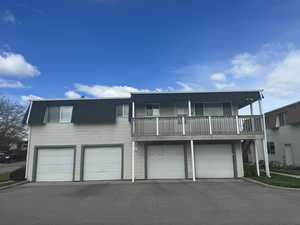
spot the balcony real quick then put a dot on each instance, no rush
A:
(197, 127)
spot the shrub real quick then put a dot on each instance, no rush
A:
(18, 174)
(275, 164)
(249, 170)
(261, 164)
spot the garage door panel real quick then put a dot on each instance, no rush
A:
(55, 164)
(165, 162)
(103, 163)
(214, 161)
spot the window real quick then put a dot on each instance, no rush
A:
(213, 109)
(65, 114)
(122, 110)
(271, 148)
(181, 111)
(59, 114)
(283, 118)
(152, 110)
(227, 110)
(198, 109)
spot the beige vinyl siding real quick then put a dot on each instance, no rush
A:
(71, 134)
(288, 134)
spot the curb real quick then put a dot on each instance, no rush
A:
(269, 185)
(13, 185)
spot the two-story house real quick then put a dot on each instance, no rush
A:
(283, 131)
(152, 135)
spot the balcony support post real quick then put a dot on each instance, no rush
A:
(193, 160)
(183, 125)
(189, 108)
(133, 122)
(256, 157)
(237, 124)
(266, 156)
(132, 162)
(210, 127)
(251, 109)
(157, 127)
(190, 114)
(252, 119)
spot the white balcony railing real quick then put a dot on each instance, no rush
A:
(196, 126)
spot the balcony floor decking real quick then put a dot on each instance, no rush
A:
(199, 137)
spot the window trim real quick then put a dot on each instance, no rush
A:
(123, 110)
(46, 117)
(158, 104)
(60, 114)
(204, 106)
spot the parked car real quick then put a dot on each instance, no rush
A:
(2, 157)
(12, 156)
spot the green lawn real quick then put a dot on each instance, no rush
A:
(4, 177)
(8, 183)
(279, 180)
(288, 171)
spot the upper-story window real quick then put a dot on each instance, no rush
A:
(281, 119)
(122, 110)
(59, 114)
(207, 109)
(197, 109)
(152, 110)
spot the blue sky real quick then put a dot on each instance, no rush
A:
(103, 48)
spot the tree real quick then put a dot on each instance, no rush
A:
(12, 131)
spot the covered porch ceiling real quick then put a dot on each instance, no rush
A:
(239, 98)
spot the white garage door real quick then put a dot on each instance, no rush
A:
(55, 164)
(165, 161)
(214, 161)
(102, 163)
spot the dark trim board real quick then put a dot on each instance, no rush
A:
(234, 159)
(37, 148)
(146, 160)
(185, 161)
(83, 148)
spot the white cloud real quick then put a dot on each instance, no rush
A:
(8, 17)
(101, 91)
(13, 64)
(185, 86)
(72, 94)
(223, 85)
(219, 81)
(10, 84)
(245, 65)
(218, 77)
(284, 79)
(26, 98)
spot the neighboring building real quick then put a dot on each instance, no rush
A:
(152, 135)
(283, 132)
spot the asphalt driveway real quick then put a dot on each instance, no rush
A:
(142, 204)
